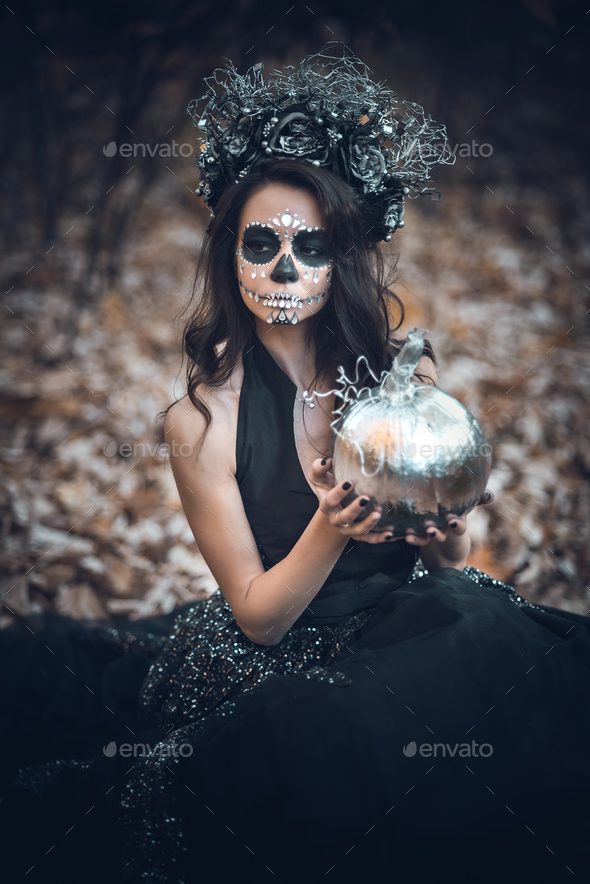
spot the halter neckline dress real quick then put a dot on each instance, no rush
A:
(279, 501)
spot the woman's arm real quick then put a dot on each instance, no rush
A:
(264, 603)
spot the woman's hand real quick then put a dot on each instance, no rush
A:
(455, 525)
(446, 547)
(343, 518)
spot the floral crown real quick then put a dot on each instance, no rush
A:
(328, 112)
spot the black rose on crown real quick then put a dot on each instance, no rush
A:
(384, 209)
(233, 151)
(296, 134)
(394, 210)
(366, 160)
(236, 139)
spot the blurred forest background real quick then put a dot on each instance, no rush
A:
(98, 256)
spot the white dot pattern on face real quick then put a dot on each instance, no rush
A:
(280, 225)
(240, 251)
(293, 221)
(286, 220)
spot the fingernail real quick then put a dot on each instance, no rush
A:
(409, 539)
(346, 486)
(432, 533)
(324, 461)
(489, 494)
(454, 524)
(363, 501)
(388, 536)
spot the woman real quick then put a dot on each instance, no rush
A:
(334, 709)
(209, 481)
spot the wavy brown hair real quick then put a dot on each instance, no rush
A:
(357, 319)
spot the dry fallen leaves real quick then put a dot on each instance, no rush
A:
(95, 529)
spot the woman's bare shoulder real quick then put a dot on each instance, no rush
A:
(186, 424)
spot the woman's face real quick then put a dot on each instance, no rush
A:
(283, 265)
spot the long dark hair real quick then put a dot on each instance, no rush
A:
(358, 318)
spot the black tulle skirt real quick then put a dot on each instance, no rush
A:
(441, 736)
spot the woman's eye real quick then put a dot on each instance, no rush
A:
(310, 251)
(257, 246)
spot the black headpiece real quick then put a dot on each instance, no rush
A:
(327, 111)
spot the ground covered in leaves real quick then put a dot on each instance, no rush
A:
(91, 521)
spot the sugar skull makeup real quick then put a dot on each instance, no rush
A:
(285, 265)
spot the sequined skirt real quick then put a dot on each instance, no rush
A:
(206, 663)
(208, 659)
(199, 675)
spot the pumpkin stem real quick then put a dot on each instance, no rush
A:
(404, 364)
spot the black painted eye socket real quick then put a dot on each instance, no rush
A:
(310, 248)
(260, 244)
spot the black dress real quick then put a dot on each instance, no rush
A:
(409, 726)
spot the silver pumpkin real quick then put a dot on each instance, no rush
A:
(418, 452)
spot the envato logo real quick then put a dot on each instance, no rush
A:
(162, 150)
(144, 449)
(441, 152)
(164, 750)
(471, 150)
(444, 152)
(450, 451)
(465, 750)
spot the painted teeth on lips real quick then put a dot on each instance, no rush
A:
(280, 299)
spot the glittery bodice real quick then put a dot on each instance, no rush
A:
(279, 502)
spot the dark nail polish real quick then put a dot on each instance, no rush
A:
(388, 536)
(324, 461)
(432, 533)
(454, 524)
(363, 501)
(489, 494)
(346, 486)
